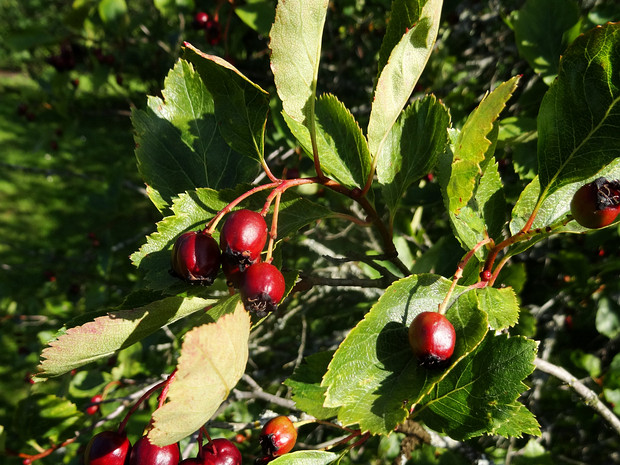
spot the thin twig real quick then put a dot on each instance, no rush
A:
(590, 397)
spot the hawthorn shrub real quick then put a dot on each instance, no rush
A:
(374, 216)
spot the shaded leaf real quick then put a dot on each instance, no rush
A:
(178, 143)
(241, 106)
(257, 15)
(399, 76)
(212, 361)
(412, 147)
(46, 416)
(579, 115)
(374, 377)
(116, 330)
(110, 10)
(471, 399)
(518, 422)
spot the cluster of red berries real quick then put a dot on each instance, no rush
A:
(197, 257)
(211, 26)
(596, 204)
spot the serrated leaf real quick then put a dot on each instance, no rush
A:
(399, 76)
(116, 330)
(500, 305)
(305, 384)
(473, 144)
(519, 421)
(46, 416)
(295, 43)
(579, 115)
(305, 457)
(342, 148)
(403, 16)
(540, 29)
(470, 400)
(212, 360)
(192, 210)
(179, 145)
(241, 106)
(412, 147)
(374, 377)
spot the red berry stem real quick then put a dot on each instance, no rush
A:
(273, 233)
(31, 458)
(164, 391)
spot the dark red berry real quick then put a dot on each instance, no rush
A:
(596, 204)
(278, 436)
(243, 237)
(262, 460)
(220, 451)
(213, 32)
(200, 20)
(432, 339)
(107, 448)
(486, 275)
(262, 288)
(194, 461)
(146, 453)
(196, 257)
(232, 272)
(94, 408)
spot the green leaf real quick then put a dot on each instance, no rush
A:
(342, 148)
(400, 74)
(608, 318)
(295, 43)
(412, 147)
(192, 210)
(241, 106)
(46, 416)
(170, 8)
(118, 329)
(257, 15)
(305, 457)
(472, 145)
(305, 383)
(179, 145)
(519, 421)
(579, 115)
(471, 399)
(403, 16)
(212, 360)
(500, 305)
(110, 10)
(374, 377)
(542, 30)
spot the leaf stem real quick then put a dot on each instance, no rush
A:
(134, 407)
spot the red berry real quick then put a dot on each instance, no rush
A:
(200, 20)
(232, 271)
(196, 257)
(277, 437)
(220, 451)
(262, 460)
(107, 448)
(243, 237)
(596, 204)
(432, 339)
(146, 453)
(92, 409)
(486, 275)
(213, 32)
(262, 288)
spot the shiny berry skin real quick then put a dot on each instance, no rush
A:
(196, 257)
(262, 288)
(91, 410)
(432, 338)
(107, 448)
(596, 204)
(220, 451)
(200, 20)
(243, 237)
(278, 436)
(145, 453)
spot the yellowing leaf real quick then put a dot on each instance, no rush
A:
(212, 361)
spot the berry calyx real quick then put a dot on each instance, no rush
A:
(432, 338)
(243, 237)
(107, 448)
(596, 204)
(262, 288)
(220, 451)
(277, 437)
(92, 409)
(146, 453)
(196, 257)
